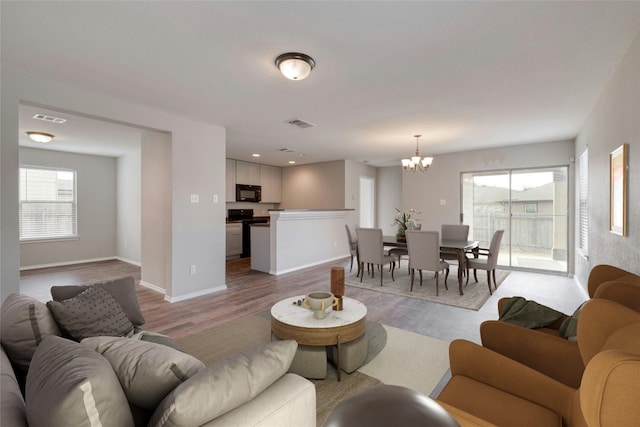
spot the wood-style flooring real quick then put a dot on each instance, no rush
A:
(250, 292)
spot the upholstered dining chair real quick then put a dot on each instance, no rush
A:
(453, 232)
(371, 251)
(489, 262)
(424, 254)
(353, 248)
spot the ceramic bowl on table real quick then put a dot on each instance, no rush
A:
(318, 302)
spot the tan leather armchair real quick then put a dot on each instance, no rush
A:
(501, 391)
(548, 352)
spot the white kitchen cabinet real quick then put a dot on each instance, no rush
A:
(247, 173)
(234, 239)
(230, 185)
(271, 183)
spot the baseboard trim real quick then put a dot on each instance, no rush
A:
(60, 264)
(152, 287)
(194, 294)
(313, 264)
(129, 261)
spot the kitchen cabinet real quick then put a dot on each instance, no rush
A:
(234, 239)
(247, 173)
(271, 183)
(230, 184)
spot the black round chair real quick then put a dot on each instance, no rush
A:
(389, 405)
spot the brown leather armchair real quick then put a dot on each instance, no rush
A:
(548, 352)
(501, 391)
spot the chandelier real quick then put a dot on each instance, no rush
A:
(416, 162)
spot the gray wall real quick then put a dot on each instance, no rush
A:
(96, 187)
(389, 197)
(353, 171)
(614, 120)
(314, 186)
(129, 206)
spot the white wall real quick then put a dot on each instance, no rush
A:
(614, 120)
(129, 206)
(96, 198)
(353, 172)
(197, 162)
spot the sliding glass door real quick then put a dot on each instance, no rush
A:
(531, 205)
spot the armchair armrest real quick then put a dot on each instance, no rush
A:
(548, 354)
(498, 371)
(603, 273)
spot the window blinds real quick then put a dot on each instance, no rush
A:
(47, 203)
(583, 166)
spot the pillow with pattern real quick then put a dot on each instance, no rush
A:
(91, 313)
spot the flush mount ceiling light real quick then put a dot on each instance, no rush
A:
(40, 137)
(295, 66)
(416, 162)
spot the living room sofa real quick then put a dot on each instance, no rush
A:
(489, 388)
(51, 377)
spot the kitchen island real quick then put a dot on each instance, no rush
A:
(299, 238)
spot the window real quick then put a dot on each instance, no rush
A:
(47, 203)
(531, 208)
(583, 171)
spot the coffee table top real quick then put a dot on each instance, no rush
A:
(289, 313)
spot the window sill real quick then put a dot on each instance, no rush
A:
(50, 240)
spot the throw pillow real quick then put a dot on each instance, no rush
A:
(91, 313)
(147, 371)
(224, 386)
(123, 290)
(23, 323)
(569, 327)
(69, 384)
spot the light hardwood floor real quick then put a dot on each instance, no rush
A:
(250, 292)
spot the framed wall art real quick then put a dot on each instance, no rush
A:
(618, 161)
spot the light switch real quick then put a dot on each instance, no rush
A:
(215, 198)
(195, 198)
(443, 202)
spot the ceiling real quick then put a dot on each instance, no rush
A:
(465, 75)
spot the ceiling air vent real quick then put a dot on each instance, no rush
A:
(300, 123)
(50, 119)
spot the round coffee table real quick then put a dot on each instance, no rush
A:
(290, 321)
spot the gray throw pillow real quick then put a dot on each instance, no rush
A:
(91, 313)
(23, 323)
(69, 384)
(224, 386)
(147, 371)
(122, 290)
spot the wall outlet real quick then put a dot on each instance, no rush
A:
(443, 202)
(192, 269)
(195, 198)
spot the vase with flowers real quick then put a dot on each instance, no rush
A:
(404, 220)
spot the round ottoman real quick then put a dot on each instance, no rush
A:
(389, 405)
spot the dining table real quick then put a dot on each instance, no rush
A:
(459, 247)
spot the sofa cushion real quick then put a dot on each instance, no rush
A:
(146, 371)
(69, 384)
(93, 312)
(23, 323)
(224, 385)
(122, 290)
(13, 411)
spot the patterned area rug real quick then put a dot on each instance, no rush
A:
(475, 294)
(424, 360)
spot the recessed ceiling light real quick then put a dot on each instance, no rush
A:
(292, 162)
(40, 137)
(256, 155)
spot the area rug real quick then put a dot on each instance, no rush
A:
(395, 357)
(475, 294)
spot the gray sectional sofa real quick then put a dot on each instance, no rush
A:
(57, 369)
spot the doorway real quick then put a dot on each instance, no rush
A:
(367, 202)
(531, 205)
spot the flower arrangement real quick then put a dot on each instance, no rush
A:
(404, 221)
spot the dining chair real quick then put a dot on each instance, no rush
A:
(489, 263)
(371, 251)
(454, 232)
(424, 254)
(353, 248)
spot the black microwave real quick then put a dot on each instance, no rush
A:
(248, 193)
